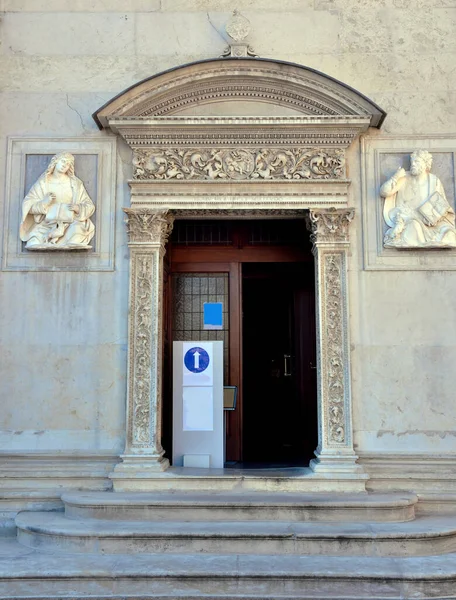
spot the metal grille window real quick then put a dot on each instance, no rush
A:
(190, 292)
(207, 233)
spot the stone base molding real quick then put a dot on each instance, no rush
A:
(330, 238)
(148, 232)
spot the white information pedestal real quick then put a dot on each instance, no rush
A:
(198, 404)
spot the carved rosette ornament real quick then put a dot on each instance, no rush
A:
(330, 236)
(239, 164)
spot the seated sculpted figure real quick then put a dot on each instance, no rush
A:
(416, 209)
(56, 212)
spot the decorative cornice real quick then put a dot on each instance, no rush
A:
(285, 163)
(330, 226)
(217, 213)
(306, 132)
(148, 226)
(303, 90)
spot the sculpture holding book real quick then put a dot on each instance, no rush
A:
(56, 212)
(416, 209)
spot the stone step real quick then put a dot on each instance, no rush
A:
(26, 573)
(243, 506)
(301, 480)
(53, 532)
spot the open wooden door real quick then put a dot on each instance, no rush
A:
(208, 261)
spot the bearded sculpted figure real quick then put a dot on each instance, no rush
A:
(56, 212)
(416, 209)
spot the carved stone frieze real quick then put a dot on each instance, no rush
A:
(148, 226)
(330, 226)
(239, 164)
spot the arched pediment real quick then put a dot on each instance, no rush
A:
(244, 86)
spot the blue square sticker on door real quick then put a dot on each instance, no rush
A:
(213, 315)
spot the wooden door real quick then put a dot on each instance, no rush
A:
(233, 250)
(278, 378)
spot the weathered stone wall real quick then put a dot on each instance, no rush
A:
(63, 338)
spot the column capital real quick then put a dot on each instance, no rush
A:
(330, 226)
(147, 226)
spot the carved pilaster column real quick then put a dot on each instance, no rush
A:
(148, 232)
(329, 233)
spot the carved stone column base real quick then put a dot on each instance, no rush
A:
(334, 462)
(135, 469)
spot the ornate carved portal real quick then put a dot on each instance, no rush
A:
(213, 165)
(148, 232)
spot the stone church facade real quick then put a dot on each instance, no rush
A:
(123, 125)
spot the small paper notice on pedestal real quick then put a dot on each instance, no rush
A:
(198, 409)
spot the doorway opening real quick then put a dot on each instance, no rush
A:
(263, 274)
(279, 375)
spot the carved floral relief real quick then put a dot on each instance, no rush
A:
(330, 226)
(239, 164)
(334, 341)
(142, 347)
(145, 225)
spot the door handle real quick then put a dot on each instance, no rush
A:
(312, 366)
(287, 365)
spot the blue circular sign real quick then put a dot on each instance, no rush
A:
(196, 360)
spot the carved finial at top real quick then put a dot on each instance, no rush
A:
(238, 28)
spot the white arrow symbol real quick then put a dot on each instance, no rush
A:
(197, 359)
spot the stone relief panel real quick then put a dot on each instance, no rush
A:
(415, 209)
(408, 203)
(335, 360)
(142, 348)
(57, 208)
(239, 164)
(74, 211)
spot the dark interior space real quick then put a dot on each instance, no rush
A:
(279, 375)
